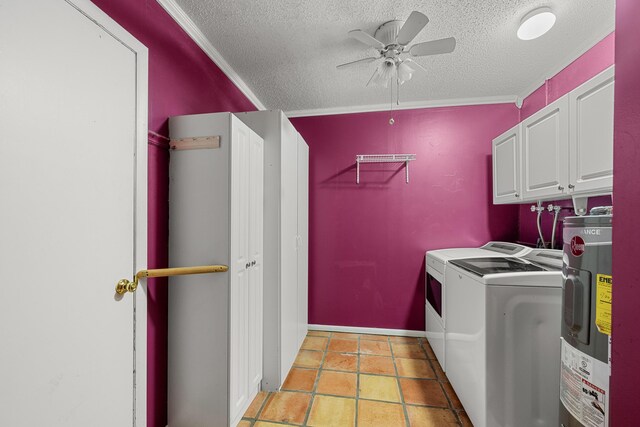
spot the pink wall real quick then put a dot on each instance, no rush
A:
(591, 63)
(182, 80)
(626, 235)
(369, 270)
(528, 231)
(367, 241)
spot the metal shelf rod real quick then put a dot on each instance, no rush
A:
(125, 285)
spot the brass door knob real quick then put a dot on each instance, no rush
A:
(125, 286)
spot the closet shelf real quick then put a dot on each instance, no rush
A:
(384, 158)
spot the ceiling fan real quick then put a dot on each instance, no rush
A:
(391, 40)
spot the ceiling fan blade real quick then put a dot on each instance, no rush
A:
(366, 38)
(375, 72)
(359, 61)
(413, 64)
(412, 26)
(434, 47)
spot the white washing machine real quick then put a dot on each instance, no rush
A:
(435, 307)
(502, 338)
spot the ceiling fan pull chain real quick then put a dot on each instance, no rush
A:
(391, 119)
(397, 87)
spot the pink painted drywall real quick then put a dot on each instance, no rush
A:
(182, 80)
(594, 61)
(625, 378)
(528, 230)
(367, 241)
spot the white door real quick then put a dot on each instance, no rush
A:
(591, 134)
(506, 166)
(545, 151)
(73, 216)
(256, 206)
(238, 357)
(303, 238)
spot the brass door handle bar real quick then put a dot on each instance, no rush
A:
(125, 285)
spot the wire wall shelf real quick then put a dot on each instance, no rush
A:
(384, 158)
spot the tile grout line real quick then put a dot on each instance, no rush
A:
(395, 367)
(315, 383)
(355, 417)
(440, 383)
(254, 420)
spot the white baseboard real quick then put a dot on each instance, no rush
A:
(371, 331)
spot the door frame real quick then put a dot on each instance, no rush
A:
(139, 322)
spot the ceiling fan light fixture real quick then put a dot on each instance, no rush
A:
(536, 23)
(405, 72)
(384, 73)
(391, 41)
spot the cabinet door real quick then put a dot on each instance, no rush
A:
(506, 166)
(591, 135)
(256, 189)
(303, 238)
(288, 242)
(545, 150)
(238, 306)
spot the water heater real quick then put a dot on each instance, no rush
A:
(586, 321)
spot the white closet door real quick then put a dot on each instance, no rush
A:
(303, 238)
(256, 206)
(238, 357)
(288, 241)
(591, 135)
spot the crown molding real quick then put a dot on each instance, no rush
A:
(182, 19)
(577, 53)
(413, 105)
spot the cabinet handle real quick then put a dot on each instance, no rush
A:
(253, 262)
(560, 187)
(247, 265)
(517, 195)
(571, 186)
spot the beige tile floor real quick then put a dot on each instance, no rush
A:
(341, 379)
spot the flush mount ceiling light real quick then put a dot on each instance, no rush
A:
(536, 23)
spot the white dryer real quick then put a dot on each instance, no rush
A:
(435, 307)
(503, 338)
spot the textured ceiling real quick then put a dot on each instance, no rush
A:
(286, 50)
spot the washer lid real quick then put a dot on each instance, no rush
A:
(506, 248)
(484, 266)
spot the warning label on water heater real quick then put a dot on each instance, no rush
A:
(584, 387)
(603, 303)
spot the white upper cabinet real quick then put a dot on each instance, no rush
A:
(591, 136)
(506, 167)
(565, 149)
(545, 137)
